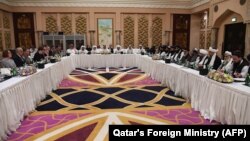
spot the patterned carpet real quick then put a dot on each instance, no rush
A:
(87, 101)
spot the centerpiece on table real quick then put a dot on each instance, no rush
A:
(220, 76)
(57, 57)
(27, 70)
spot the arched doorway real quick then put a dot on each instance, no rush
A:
(231, 33)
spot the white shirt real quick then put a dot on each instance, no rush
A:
(33, 52)
(244, 70)
(130, 51)
(83, 51)
(163, 54)
(118, 51)
(227, 65)
(94, 51)
(204, 60)
(142, 50)
(72, 51)
(105, 51)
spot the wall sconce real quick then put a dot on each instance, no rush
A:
(234, 19)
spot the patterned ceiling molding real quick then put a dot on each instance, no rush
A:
(196, 3)
(184, 4)
(218, 1)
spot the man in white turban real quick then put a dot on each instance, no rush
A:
(227, 64)
(105, 50)
(118, 49)
(202, 59)
(72, 49)
(130, 50)
(83, 50)
(141, 50)
(214, 61)
(94, 50)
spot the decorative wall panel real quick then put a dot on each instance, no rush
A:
(23, 22)
(143, 31)
(202, 39)
(208, 38)
(24, 29)
(66, 24)
(203, 22)
(181, 39)
(6, 21)
(51, 25)
(81, 24)
(25, 39)
(7, 38)
(128, 31)
(157, 31)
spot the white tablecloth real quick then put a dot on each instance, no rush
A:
(20, 95)
(226, 103)
(114, 60)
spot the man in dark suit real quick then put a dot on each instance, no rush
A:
(240, 65)
(39, 56)
(18, 58)
(214, 61)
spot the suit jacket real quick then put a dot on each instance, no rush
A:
(38, 57)
(217, 62)
(19, 61)
(237, 67)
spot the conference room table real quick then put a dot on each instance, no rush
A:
(225, 103)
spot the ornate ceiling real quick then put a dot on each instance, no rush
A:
(108, 3)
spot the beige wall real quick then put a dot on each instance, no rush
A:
(195, 31)
(227, 10)
(117, 14)
(223, 7)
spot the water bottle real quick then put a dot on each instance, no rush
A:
(14, 72)
(247, 81)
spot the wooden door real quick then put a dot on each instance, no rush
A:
(24, 29)
(181, 30)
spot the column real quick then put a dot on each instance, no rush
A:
(39, 29)
(118, 37)
(214, 37)
(92, 37)
(167, 37)
(40, 38)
